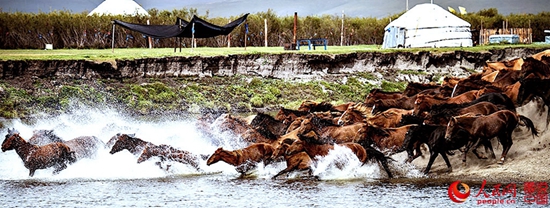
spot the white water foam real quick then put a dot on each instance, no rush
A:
(180, 133)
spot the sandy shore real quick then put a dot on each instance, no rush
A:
(527, 160)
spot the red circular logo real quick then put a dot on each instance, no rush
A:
(455, 195)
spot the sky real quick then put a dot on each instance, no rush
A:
(228, 8)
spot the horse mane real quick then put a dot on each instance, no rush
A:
(260, 118)
(312, 138)
(298, 113)
(319, 122)
(322, 106)
(361, 108)
(411, 119)
(378, 130)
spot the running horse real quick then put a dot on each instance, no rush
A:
(500, 124)
(83, 146)
(167, 152)
(310, 144)
(244, 159)
(36, 157)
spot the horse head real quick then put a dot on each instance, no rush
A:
(216, 156)
(294, 146)
(451, 126)
(10, 141)
(123, 141)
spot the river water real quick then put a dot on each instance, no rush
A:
(116, 180)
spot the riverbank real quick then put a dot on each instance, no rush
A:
(230, 83)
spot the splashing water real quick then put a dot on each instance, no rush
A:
(179, 132)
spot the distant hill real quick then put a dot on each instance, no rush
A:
(227, 8)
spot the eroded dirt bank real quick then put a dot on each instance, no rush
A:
(285, 66)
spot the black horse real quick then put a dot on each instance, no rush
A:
(434, 137)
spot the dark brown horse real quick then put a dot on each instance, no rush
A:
(241, 128)
(169, 153)
(535, 87)
(287, 116)
(39, 157)
(83, 146)
(268, 124)
(406, 103)
(243, 159)
(128, 142)
(310, 144)
(500, 124)
(440, 114)
(414, 88)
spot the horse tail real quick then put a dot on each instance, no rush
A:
(529, 125)
(373, 154)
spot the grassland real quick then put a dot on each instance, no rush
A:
(137, 53)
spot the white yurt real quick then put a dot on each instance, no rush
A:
(119, 7)
(427, 25)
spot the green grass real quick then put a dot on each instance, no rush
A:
(137, 53)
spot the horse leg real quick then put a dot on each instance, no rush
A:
(468, 146)
(60, 166)
(31, 172)
(506, 141)
(433, 155)
(449, 168)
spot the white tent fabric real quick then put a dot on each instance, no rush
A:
(119, 7)
(427, 25)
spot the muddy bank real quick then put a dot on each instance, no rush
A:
(418, 65)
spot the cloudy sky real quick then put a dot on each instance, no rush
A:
(226, 8)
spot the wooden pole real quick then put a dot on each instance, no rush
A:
(342, 31)
(149, 38)
(193, 37)
(113, 37)
(229, 39)
(295, 26)
(265, 31)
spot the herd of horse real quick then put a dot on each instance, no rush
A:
(459, 114)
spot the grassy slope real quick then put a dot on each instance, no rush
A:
(136, 53)
(23, 98)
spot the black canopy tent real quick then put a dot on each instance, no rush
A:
(182, 28)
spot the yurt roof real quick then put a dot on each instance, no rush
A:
(119, 7)
(427, 15)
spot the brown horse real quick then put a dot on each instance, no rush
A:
(83, 146)
(299, 161)
(167, 152)
(328, 130)
(386, 139)
(378, 94)
(423, 103)
(389, 118)
(354, 114)
(500, 124)
(39, 157)
(310, 144)
(243, 159)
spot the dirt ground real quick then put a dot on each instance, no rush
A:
(527, 160)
